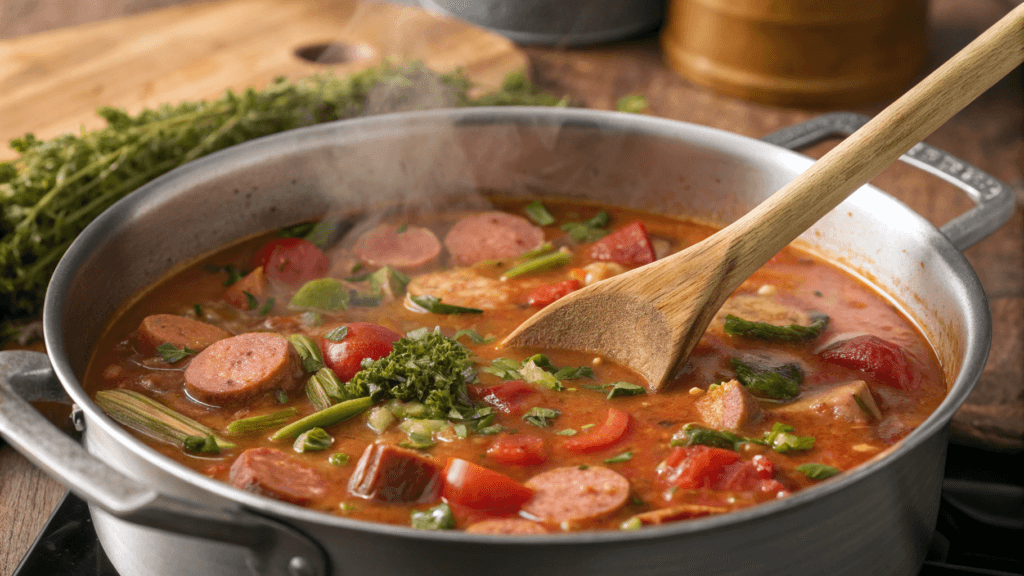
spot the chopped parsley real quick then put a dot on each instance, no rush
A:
(434, 305)
(171, 353)
(540, 417)
(737, 326)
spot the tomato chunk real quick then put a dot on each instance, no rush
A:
(698, 466)
(628, 245)
(363, 340)
(518, 449)
(291, 261)
(605, 435)
(545, 295)
(508, 396)
(254, 283)
(879, 358)
(472, 486)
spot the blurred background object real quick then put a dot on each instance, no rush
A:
(556, 22)
(798, 52)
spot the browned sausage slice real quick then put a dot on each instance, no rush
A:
(572, 498)
(729, 406)
(491, 236)
(408, 248)
(179, 331)
(237, 369)
(506, 526)
(273, 473)
(391, 474)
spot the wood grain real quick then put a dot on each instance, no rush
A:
(53, 82)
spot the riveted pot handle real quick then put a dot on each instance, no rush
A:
(276, 549)
(994, 203)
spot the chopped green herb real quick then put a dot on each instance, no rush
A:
(337, 335)
(356, 267)
(387, 280)
(633, 103)
(534, 374)
(818, 293)
(490, 430)
(313, 440)
(259, 424)
(251, 302)
(778, 382)
(692, 434)
(566, 432)
(474, 336)
(323, 294)
(282, 397)
(428, 367)
(311, 318)
(587, 426)
(198, 310)
(540, 417)
(762, 330)
(309, 353)
(589, 231)
(539, 214)
(781, 440)
(461, 430)
(205, 444)
(624, 457)
(323, 388)
(570, 373)
(339, 459)
(625, 389)
(633, 523)
(816, 471)
(439, 517)
(401, 229)
(539, 264)
(234, 274)
(267, 307)
(433, 304)
(171, 353)
(583, 467)
(538, 251)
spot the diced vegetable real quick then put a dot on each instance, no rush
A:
(323, 389)
(479, 488)
(737, 326)
(313, 440)
(539, 264)
(380, 419)
(609, 433)
(816, 471)
(779, 382)
(438, 517)
(882, 359)
(246, 293)
(696, 466)
(324, 418)
(323, 294)
(629, 246)
(309, 354)
(624, 457)
(540, 417)
(339, 459)
(518, 450)
(362, 341)
(781, 439)
(434, 305)
(507, 396)
(539, 214)
(692, 435)
(547, 294)
(589, 230)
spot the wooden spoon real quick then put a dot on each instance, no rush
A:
(651, 318)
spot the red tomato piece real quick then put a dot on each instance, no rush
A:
(545, 295)
(292, 261)
(879, 358)
(773, 487)
(472, 486)
(738, 477)
(765, 467)
(629, 246)
(518, 449)
(508, 396)
(253, 283)
(696, 466)
(603, 436)
(363, 340)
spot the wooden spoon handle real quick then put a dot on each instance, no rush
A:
(773, 224)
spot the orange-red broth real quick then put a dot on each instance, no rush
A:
(803, 281)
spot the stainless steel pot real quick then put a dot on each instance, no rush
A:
(155, 516)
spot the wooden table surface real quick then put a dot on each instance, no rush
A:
(988, 134)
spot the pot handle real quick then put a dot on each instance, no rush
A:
(275, 548)
(994, 203)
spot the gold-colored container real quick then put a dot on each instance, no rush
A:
(811, 53)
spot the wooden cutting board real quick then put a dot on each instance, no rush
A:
(53, 82)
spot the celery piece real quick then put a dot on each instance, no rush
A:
(380, 419)
(148, 416)
(434, 305)
(539, 264)
(309, 353)
(322, 294)
(313, 440)
(259, 424)
(539, 214)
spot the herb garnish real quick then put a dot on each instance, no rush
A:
(539, 264)
(337, 335)
(737, 326)
(339, 459)
(309, 353)
(313, 440)
(434, 305)
(540, 417)
(778, 382)
(171, 353)
(474, 336)
(539, 214)
(438, 517)
(322, 294)
(816, 471)
(782, 440)
(692, 434)
(590, 230)
(624, 457)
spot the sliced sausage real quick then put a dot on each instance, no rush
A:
(237, 369)
(506, 526)
(404, 247)
(629, 246)
(273, 473)
(391, 474)
(571, 497)
(179, 331)
(491, 236)
(680, 512)
(466, 287)
(254, 283)
(729, 406)
(851, 402)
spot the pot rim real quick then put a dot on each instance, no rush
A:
(741, 147)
